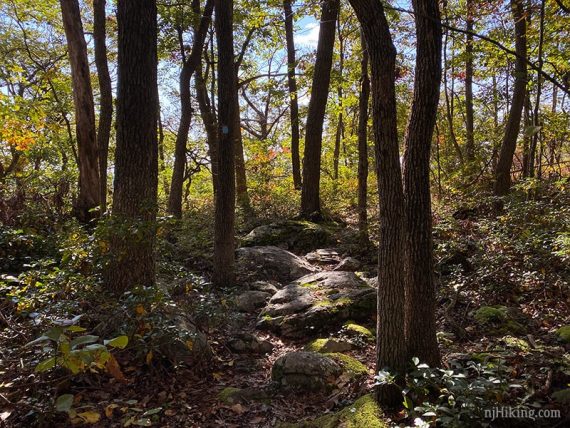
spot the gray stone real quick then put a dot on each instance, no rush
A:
(271, 264)
(251, 301)
(296, 236)
(318, 302)
(323, 256)
(306, 370)
(268, 287)
(248, 343)
(348, 264)
(183, 343)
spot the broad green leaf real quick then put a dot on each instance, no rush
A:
(83, 340)
(45, 365)
(118, 342)
(64, 402)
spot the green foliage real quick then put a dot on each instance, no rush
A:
(77, 354)
(454, 397)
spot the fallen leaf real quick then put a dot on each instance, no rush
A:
(149, 357)
(238, 408)
(170, 412)
(217, 375)
(90, 417)
(115, 370)
(109, 410)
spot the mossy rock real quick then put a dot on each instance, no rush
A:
(491, 314)
(501, 320)
(562, 396)
(359, 330)
(229, 395)
(515, 342)
(324, 346)
(363, 413)
(295, 235)
(563, 334)
(350, 365)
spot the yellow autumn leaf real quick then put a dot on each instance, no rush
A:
(140, 310)
(109, 410)
(90, 417)
(190, 344)
(149, 357)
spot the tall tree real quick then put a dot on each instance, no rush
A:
(89, 189)
(310, 195)
(188, 68)
(132, 260)
(420, 284)
(503, 170)
(293, 100)
(470, 137)
(391, 344)
(363, 143)
(106, 96)
(224, 244)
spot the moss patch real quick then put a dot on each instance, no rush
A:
(351, 366)
(514, 342)
(491, 314)
(364, 412)
(563, 334)
(360, 330)
(227, 395)
(316, 345)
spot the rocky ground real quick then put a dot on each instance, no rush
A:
(294, 345)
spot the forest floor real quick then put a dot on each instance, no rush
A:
(513, 263)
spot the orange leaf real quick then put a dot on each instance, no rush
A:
(115, 370)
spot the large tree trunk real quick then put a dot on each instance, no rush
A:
(503, 170)
(188, 69)
(470, 138)
(224, 244)
(293, 101)
(420, 284)
(363, 144)
(106, 107)
(132, 261)
(310, 200)
(242, 194)
(89, 187)
(391, 345)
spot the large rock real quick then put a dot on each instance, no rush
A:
(318, 302)
(316, 371)
(323, 256)
(296, 236)
(252, 300)
(306, 370)
(248, 343)
(182, 343)
(271, 263)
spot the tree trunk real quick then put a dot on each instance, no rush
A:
(420, 284)
(470, 138)
(508, 146)
(293, 102)
(340, 123)
(188, 68)
(391, 345)
(106, 107)
(224, 244)
(89, 187)
(363, 144)
(132, 261)
(310, 200)
(241, 176)
(210, 123)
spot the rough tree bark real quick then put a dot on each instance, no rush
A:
(420, 284)
(310, 200)
(188, 69)
(293, 101)
(89, 187)
(470, 138)
(363, 144)
(106, 101)
(391, 345)
(339, 136)
(224, 258)
(131, 260)
(503, 170)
